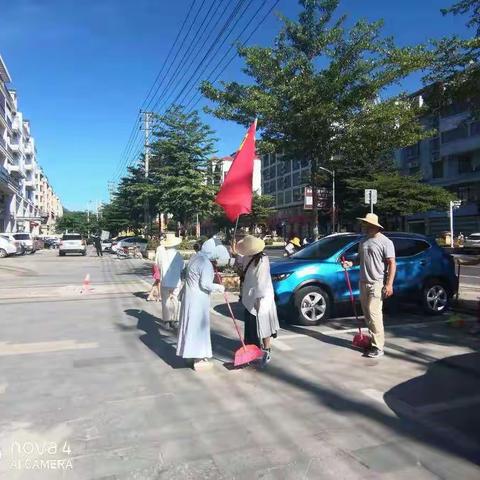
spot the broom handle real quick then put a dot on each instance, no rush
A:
(347, 278)
(231, 312)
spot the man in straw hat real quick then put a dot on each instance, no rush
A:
(377, 272)
(170, 264)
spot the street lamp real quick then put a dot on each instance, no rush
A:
(332, 173)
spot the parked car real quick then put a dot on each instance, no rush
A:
(106, 245)
(51, 242)
(72, 243)
(7, 247)
(20, 248)
(115, 242)
(311, 282)
(139, 242)
(27, 241)
(472, 242)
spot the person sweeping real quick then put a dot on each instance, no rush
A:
(377, 272)
(258, 299)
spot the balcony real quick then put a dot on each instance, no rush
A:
(29, 166)
(16, 125)
(16, 170)
(30, 184)
(29, 149)
(14, 147)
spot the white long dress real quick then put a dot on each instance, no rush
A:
(170, 264)
(257, 285)
(194, 329)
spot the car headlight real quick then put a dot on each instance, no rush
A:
(277, 277)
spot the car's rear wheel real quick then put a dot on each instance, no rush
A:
(3, 253)
(435, 297)
(313, 305)
(61, 254)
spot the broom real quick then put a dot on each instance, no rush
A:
(246, 353)
(360, 339)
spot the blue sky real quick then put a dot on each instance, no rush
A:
(82, 70)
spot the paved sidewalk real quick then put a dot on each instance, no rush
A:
(97, 376)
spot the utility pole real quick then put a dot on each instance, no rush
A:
(146, 128)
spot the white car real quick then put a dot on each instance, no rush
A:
(126, 242)
(9, 237)
(106, 245)
(7, 247)
(472, 242)
(72, 243)
(26, 241)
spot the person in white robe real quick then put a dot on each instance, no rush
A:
(258, 298)
(194, 342)
(170, 264)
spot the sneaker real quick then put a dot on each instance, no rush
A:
(267, 357)
(375, 353)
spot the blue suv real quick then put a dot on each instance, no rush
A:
(312, 282)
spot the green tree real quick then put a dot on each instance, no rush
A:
(455, 70)
(179, 162)
(77, 222)
(317, 95)
(261, 211)
(399, 196)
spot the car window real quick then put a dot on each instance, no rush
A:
(351, 252)
(72, 237)
(474, 236)
(5, 237)
(324, 248)
(21, 236)
(128, 240)
(407, 247)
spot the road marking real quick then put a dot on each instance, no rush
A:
(43, 347)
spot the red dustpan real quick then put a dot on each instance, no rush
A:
(246, 353)
(360, 340)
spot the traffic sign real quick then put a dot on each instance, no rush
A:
(370, 196)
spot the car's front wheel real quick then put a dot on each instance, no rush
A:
(435, 297)
(313, 305)
(3, 253)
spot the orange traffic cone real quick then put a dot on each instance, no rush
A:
(86, 284)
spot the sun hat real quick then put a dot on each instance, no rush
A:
(371, 219)
(250, 245)
(296, 241)
(170, 240)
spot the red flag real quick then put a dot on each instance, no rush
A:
(235, 195)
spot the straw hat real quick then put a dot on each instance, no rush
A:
(371, 219)
(296, 241)
(250, 245)
(170, 240)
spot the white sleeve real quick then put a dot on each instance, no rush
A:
(206, 279)
(264, 280)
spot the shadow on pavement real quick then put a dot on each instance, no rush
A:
(164, 345)
(448, 394)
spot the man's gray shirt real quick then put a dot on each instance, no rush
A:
(374, 252)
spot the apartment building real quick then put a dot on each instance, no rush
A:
(20, 208)
(450, 160)
(286, 181)
(48, 203)
(219, 167)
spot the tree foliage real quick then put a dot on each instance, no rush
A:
(400, 195)
(317, 94)
(77, 222)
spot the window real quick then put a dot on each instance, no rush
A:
(475, 128)
(407, 247)
(71, 236)
(265, 160)
(305, 176)
(280, 168)
(455, 134)
(434, 144)
(288, 196)
(297, 195)
(412, 151)
(305, 163)
(287, 181)
(296, 164)
(437, 169)
(272, 187)
(296, 179)
(272, 172)
(279, 184)
(325, 248)
(288, 166)
(280, 198)
(465, 164)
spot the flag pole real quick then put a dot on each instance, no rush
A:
(235, 231)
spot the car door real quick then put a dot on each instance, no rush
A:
(412, 262)
(343, 292)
